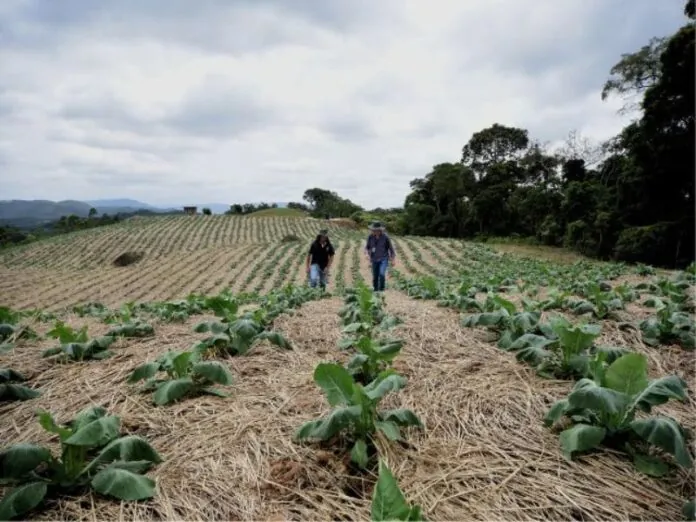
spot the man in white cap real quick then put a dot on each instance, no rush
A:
(379, 250)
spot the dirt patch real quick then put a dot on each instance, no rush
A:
(128, 258)
(345, 223)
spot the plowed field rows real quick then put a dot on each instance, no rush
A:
(189, 254)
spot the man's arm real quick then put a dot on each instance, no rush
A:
(391, 251)
(367, 245)
(309, 258)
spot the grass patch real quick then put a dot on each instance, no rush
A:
(560, 255)
(279, 212)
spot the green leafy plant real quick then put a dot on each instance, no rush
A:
(10, 329)
(67, 334)
(10, 390)
(504, 319)
(362, 309)
(668, 326)
(132, 329)
(186, 377)
(565, 351)
(356, 411)
(602, 411)
(601, 301)
(388, 501)
(96, 349)
(237, 337)
(374, 357)
(93, 455)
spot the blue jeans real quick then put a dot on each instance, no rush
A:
(317, 276)
(379, 274)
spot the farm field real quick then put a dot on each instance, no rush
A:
(183, 255)
(477, 347)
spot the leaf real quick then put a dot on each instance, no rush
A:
(215, 392)
(128, 448)
(17, 392)
(180, 363)
(384, 383)
(389, 349)
(336, 382)
(358, 453)
(135, 466)
(20, 459)
(22, 499)
(123, 484)
(580, 438)
(9, 375)
(213, 371)
(49, 424)
(96, 433)
(390, 429)
(388, 502)
(84, 417)
(628, 374)
(52, 351)
(689, 510)
(170, 391)
(245, 328)
(556, 412)
(144, 371)
(587, 394)
(333, 423)
(401, 417)
(574, 339)
(659, 391)
(275, 338)
(650, 465)
(666, 434)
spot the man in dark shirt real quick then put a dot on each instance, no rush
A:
(319, 259)
(379, 251)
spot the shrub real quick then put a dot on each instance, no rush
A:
(661, 244)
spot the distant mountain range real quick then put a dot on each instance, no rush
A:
(31, 213)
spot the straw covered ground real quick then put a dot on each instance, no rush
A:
(484, 453)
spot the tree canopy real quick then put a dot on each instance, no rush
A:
(631, 199)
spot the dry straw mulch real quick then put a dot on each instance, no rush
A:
(484, 455)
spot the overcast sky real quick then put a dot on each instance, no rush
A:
(183, 101)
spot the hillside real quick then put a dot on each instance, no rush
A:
(40, 210)
(182, 254)
(467, 403)
(27, 214)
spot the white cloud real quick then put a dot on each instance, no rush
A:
(242, 101)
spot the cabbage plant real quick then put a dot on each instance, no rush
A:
(10, 390)
(93, 456)
(356, 411)
(602, 411)
(186, 376)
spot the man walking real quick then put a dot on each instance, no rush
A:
(319, 259)
(379, 250)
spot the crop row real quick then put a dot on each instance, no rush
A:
(158, 236)
(612, 394)
(257, 267)
(357, 420)
(94, 454)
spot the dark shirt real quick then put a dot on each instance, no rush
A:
(379, 247)
(321, 254)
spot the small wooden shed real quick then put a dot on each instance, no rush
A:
(191, 211)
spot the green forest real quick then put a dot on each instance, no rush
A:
(629, 199)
